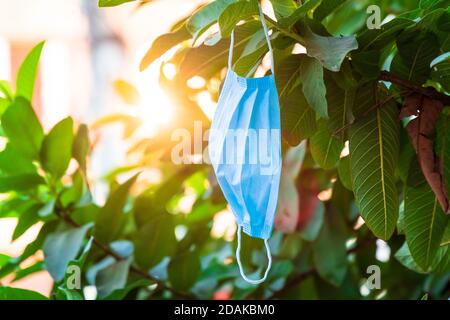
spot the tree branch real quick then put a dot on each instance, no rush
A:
(429, 92)
(67, 219)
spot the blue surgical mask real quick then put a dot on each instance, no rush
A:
(245, 151)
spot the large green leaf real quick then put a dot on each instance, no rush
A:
(207, 60)
(416, 51)
(8, 293)
(371, 39)
(374, 148)
(425, 222)
(20, 182)
(311, 75)
(111, 278)
(154, 241)
(403, 255)
(330, 51)
(252, 55)
(162, 44)
(204, 17)
(27, 73)
(298, 120)
(184, 270)
(61, 247)
(340, 103)
(325, 148)
(234, 13)
(110, 217)
(288, 75)
(23, 128)
(13, 162)
(56, 150)
(326, 8)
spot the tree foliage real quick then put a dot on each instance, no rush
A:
(365, 119)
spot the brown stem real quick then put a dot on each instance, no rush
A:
(429, 92)
(67, 219)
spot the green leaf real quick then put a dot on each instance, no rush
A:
(425, 222)
(374, 148)
(162, 44)
(8, 293)
(326, 8)
(27, 73)
(311, 75)
(67, 294)
(112, 3)
(61, 247)
(367, 63)
(56, 150)
(330, 51)
(325, 148)
(234, 13)
(283, 8)
(111, 278)
(13, 163)
(345, 174)
(329, 252)
(184, 270)
(22, 128)
(298, 120)
(20, 182)
(205, 60)
(252, 55)
(403, 255)
(81, 146)
(441, 74)
(416, 51)
(26, 220)
(288, 75)
(341, 105)
(110, 217)
(154, 241)
(203, 18)
(371, 39)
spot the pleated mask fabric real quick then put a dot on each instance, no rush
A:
(245, 151)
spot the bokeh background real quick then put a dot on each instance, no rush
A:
(90, 57)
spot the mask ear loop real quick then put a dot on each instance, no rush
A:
(266, 34)
(241, 269)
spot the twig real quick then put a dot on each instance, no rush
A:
(67, 219)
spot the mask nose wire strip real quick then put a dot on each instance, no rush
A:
(266, 34)
(241, 269)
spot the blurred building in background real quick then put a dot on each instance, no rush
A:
(86, 50)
